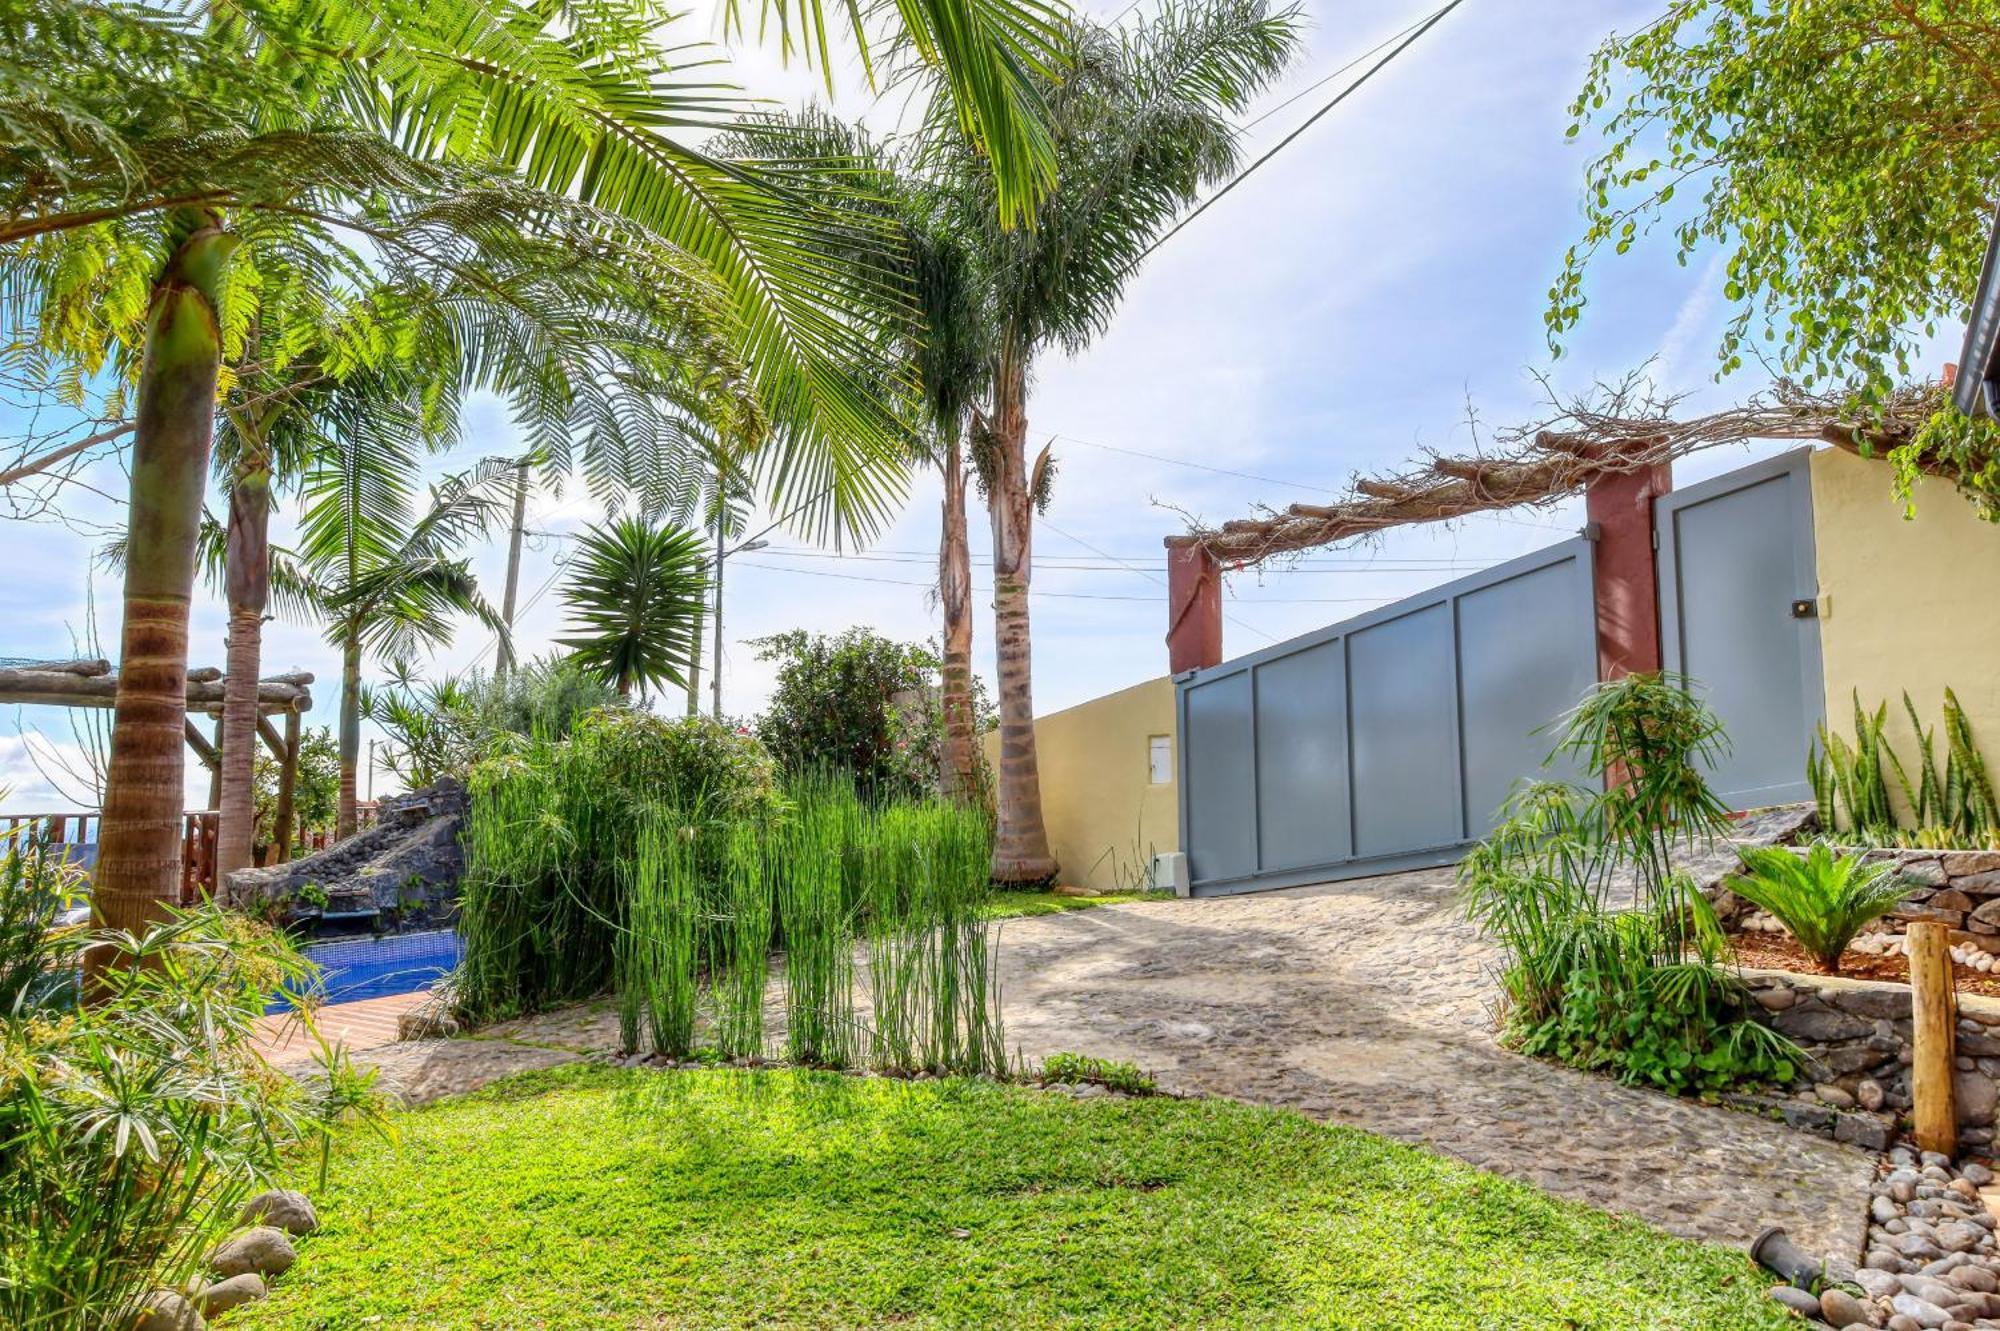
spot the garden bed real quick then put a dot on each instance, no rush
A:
(1777, 952)
(591, 1197)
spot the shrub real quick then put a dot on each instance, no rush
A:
(1824, 899)
(1640, 993)
(855, 702)
(130, 1129)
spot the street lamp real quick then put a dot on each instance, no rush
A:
(715, 664)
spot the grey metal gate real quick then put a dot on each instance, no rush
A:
(1739, 616)
(1386, 741)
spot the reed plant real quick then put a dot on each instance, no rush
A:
(1639, 992)
(811, 877)
(744, 955)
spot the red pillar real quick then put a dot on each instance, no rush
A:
(1627, 579)
(1194, 607)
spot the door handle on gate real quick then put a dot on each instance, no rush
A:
(1805, 609)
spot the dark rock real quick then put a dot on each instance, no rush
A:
(1867, 1131)
(1818, 1024)
(1878, 1002)
(1977, 1098)
(1987, 914)
(410, 861)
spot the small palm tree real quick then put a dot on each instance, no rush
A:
(1823, 899)
(636, 603)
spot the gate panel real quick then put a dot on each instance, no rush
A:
(1218, 808)
(1386, 741)
(1736, 570)
(1402, 694)
(1302, 811)
(1506, 672)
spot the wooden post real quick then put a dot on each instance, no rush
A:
(215, 772)
(288, 784)
(1934, 1018)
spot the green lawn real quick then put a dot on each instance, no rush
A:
(1006, 905)
(587, 1197)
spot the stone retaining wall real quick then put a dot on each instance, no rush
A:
(1958, 888)
(1858, 1031)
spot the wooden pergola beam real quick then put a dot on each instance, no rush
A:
(56, 688)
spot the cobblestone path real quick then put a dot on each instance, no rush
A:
(1367, 1003)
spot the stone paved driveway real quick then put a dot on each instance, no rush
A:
(1366, 1003)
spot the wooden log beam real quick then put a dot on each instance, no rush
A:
(204, 675)
(87, 667)
(1392, 491)
(272, 739)
(56, 689)
(1934, 1018)
(199, 743)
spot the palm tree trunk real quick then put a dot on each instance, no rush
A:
(1021, 842)
(139, 863)
(247, 584)
(350, 732)
(960, 775)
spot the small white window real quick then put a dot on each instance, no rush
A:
(1160, 759)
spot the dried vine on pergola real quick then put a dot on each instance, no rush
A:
(1622, 428)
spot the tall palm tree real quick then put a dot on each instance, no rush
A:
(1141, 126)
(299, 120)
(946, 354)
(635, 601)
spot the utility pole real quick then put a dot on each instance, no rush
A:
(504, 657)
(715, 670)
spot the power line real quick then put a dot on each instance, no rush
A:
(1339, 97)
(1198, 466)
(1068, 596)
(1319, 83)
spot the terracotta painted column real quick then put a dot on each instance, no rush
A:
(1194, 607)
(1627, 580)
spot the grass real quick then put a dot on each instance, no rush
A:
(1005, 904)
(588, 1197)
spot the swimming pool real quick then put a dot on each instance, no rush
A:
(356, 968)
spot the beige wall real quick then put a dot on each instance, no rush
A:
(1105, 818)
(1907, 604)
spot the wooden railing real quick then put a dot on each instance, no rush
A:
(198, 837)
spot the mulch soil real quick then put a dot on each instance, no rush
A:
(1777, 952)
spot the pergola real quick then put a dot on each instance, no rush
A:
(93, 683)
(1585, 442)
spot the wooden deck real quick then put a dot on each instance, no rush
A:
(369, 1023)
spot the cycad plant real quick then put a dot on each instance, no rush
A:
(1824, 898)
(635, 603)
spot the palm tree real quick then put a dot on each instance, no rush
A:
(946, 354)
(635, 601)
(385, 574)
(288, 124)
(1141, 127)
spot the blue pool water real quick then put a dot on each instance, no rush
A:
(356, 968)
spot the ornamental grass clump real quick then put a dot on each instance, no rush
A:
(1824, 899)
(1640, 992)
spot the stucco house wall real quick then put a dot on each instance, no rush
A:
(1905, 604)
(1106, 817)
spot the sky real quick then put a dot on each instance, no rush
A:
(1375, 291)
